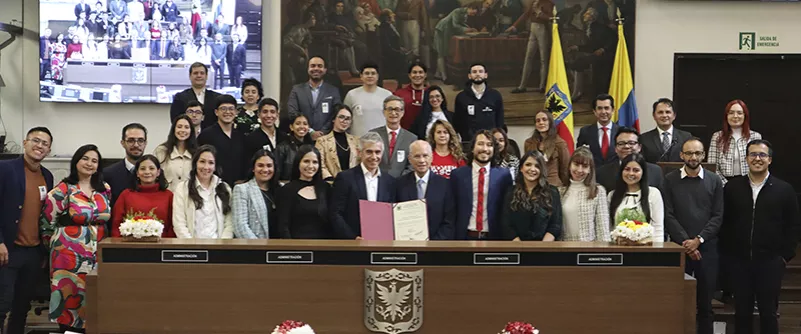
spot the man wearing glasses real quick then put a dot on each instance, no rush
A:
(396, 139)
(627, 141)
(760, 234)
(121, 176)
(194, 110)
(24, 184)
(230, 144)
(693, 199)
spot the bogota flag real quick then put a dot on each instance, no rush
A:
(557, 98)
(622, 87)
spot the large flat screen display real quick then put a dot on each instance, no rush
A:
(140, 51)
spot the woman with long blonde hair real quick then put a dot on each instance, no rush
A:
(585, 210)
(552, 147)
(448, 154)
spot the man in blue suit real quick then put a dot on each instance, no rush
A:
(424, 184)
(24, 184)
(363, 182)
(478, 190)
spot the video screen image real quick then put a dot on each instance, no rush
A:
(140, 51)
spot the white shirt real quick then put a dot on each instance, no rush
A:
(479, 94)
(371, 183)
(129, 165)
(756, 188)
(683, 172)
(389, 134)
(655, 204)
(668, 131)
(202, 95)
(425, 181)
(368, 109)
(608, 134)
(207, 218)
(435, 116)
(472, 225)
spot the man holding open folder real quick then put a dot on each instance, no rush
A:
(363, 182)
(424, 184)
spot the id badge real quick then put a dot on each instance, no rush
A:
(358, 109)
(325, 107)
(471, 110)
(42, 193)
(401, 155)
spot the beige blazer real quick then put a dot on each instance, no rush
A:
(328, 151)
(183, 212)
(176, 167)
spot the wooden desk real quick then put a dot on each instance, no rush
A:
(228, 286)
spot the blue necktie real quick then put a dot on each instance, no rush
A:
(420, 192)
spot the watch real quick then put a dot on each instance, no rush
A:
(700, 238)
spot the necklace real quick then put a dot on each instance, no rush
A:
(340, 146)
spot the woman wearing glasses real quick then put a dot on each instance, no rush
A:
(727, 148)
(338, 149)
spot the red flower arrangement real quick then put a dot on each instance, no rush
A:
(289, 325)
(518, 327)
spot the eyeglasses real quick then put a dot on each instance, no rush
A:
(761, 155)
(627, 143)
(226, 108)
(394, 110)
(39, 142)
(136, 141)
(696, 153)
(343, 117)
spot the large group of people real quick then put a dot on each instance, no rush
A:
(229, 171)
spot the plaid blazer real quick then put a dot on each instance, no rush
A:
(724, 161)
(593, 215)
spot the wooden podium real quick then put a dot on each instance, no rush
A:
(473, 287)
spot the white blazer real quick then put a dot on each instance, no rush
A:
(183, 211)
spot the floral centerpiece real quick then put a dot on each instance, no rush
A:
(138, 226)
(631, 229)
(519, 328)
(293, 327)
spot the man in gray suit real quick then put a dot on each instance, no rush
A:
(396, 139)
(315, 99)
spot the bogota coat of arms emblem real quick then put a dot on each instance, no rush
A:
(393, 301)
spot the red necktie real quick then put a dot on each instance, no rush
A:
(480, 201)
(392, 142)
(604, 143)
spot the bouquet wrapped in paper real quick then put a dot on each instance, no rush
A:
(293, 327)
(631, 229)
(138, 226)
(519, 328)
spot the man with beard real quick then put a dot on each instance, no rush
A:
(24, 184)
(478, 190)
(478, 107)
(314, 99)
(693, 200)
(627, 141)
(412, 93)
(121, 176)
(760, 235)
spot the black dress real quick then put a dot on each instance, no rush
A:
(301, 218)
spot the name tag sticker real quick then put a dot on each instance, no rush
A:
(401, 155)
(42, 193)
(325, 107)
(358, 109)
(471, 110)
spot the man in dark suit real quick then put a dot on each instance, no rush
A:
(600, 136)
(664, 143)
(120, 175)
(82, 10)
(627, 141)
(434, 189)
(203, 24)
(363, 182)
(198, 74)
(237, 61)
(478, 196)
(760, 233)
(315, 99)
(24, 184)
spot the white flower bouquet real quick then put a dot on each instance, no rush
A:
(139, 226)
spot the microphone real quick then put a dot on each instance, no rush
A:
(672, 142)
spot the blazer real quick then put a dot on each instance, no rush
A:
(349, 188)
(462, 189)
(588, 135)
(440, 206)
(607, 175)
(249, 213)
(652, 146)
(396, 164)
(180, 100)
(769, 227)
(531, 225)
(328, 150)
(12, 191)
(300, 102)
(593, 214)
(183, 212)
(118, 178)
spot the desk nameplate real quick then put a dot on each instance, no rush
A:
(372, 258)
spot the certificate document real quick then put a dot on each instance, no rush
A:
(410, 220)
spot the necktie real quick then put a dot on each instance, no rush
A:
(392, 142)
(480, 201)
(665, 141)
(604, 143)
(420, 192)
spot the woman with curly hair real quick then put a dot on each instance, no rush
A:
(532, 209)
(448, 153)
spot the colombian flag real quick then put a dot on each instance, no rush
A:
(557, 98)
(622, 87)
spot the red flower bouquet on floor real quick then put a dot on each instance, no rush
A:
(293, 327)
(519, 328)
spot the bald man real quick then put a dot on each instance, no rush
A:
(434, 189)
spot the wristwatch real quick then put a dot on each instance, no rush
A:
(700, 238)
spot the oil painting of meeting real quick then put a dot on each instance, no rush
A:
(122, 51)
(512, 38)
